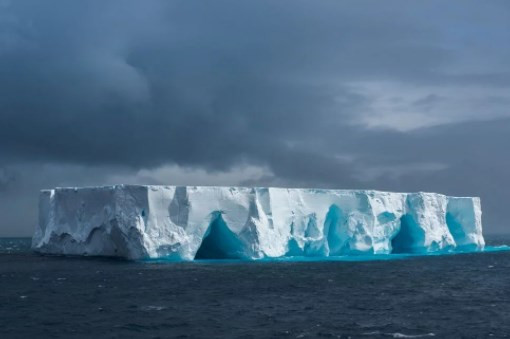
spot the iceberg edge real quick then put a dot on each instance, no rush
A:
(182, 223)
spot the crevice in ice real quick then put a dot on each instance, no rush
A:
(314, 239)
(458, 233)
(178, 209)
(128, 243)
(98, 239)
(293, 248)
(409, 236)
(455, 227)
(312, 231)
(332, 230)
(220, 242)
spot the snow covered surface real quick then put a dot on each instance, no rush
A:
(190, 222)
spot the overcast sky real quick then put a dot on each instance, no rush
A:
(391, 95)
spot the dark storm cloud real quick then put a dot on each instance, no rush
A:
(333, 94)
(196, 75)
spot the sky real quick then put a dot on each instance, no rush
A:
(390, 95)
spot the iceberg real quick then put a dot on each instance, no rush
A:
(184, 223)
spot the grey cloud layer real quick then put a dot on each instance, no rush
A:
(351, 94)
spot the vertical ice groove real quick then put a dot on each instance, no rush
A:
(423, 227)
(181, 222)
(464, 220)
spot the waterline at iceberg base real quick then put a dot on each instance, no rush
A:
(185, 223)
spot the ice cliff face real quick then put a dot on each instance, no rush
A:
(184, 223)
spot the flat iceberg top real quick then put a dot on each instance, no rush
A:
(188, 222)
(239, 188)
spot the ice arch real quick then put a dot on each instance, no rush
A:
(220, 242)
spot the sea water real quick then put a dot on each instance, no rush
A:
(401, 296)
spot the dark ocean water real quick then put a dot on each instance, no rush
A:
(449, 296)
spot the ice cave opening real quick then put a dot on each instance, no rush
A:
(219, 241)
(409, 237)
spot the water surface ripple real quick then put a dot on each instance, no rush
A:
(448, 296)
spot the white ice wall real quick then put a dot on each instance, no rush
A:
(250, 223)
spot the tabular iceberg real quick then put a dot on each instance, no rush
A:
(189, 222)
